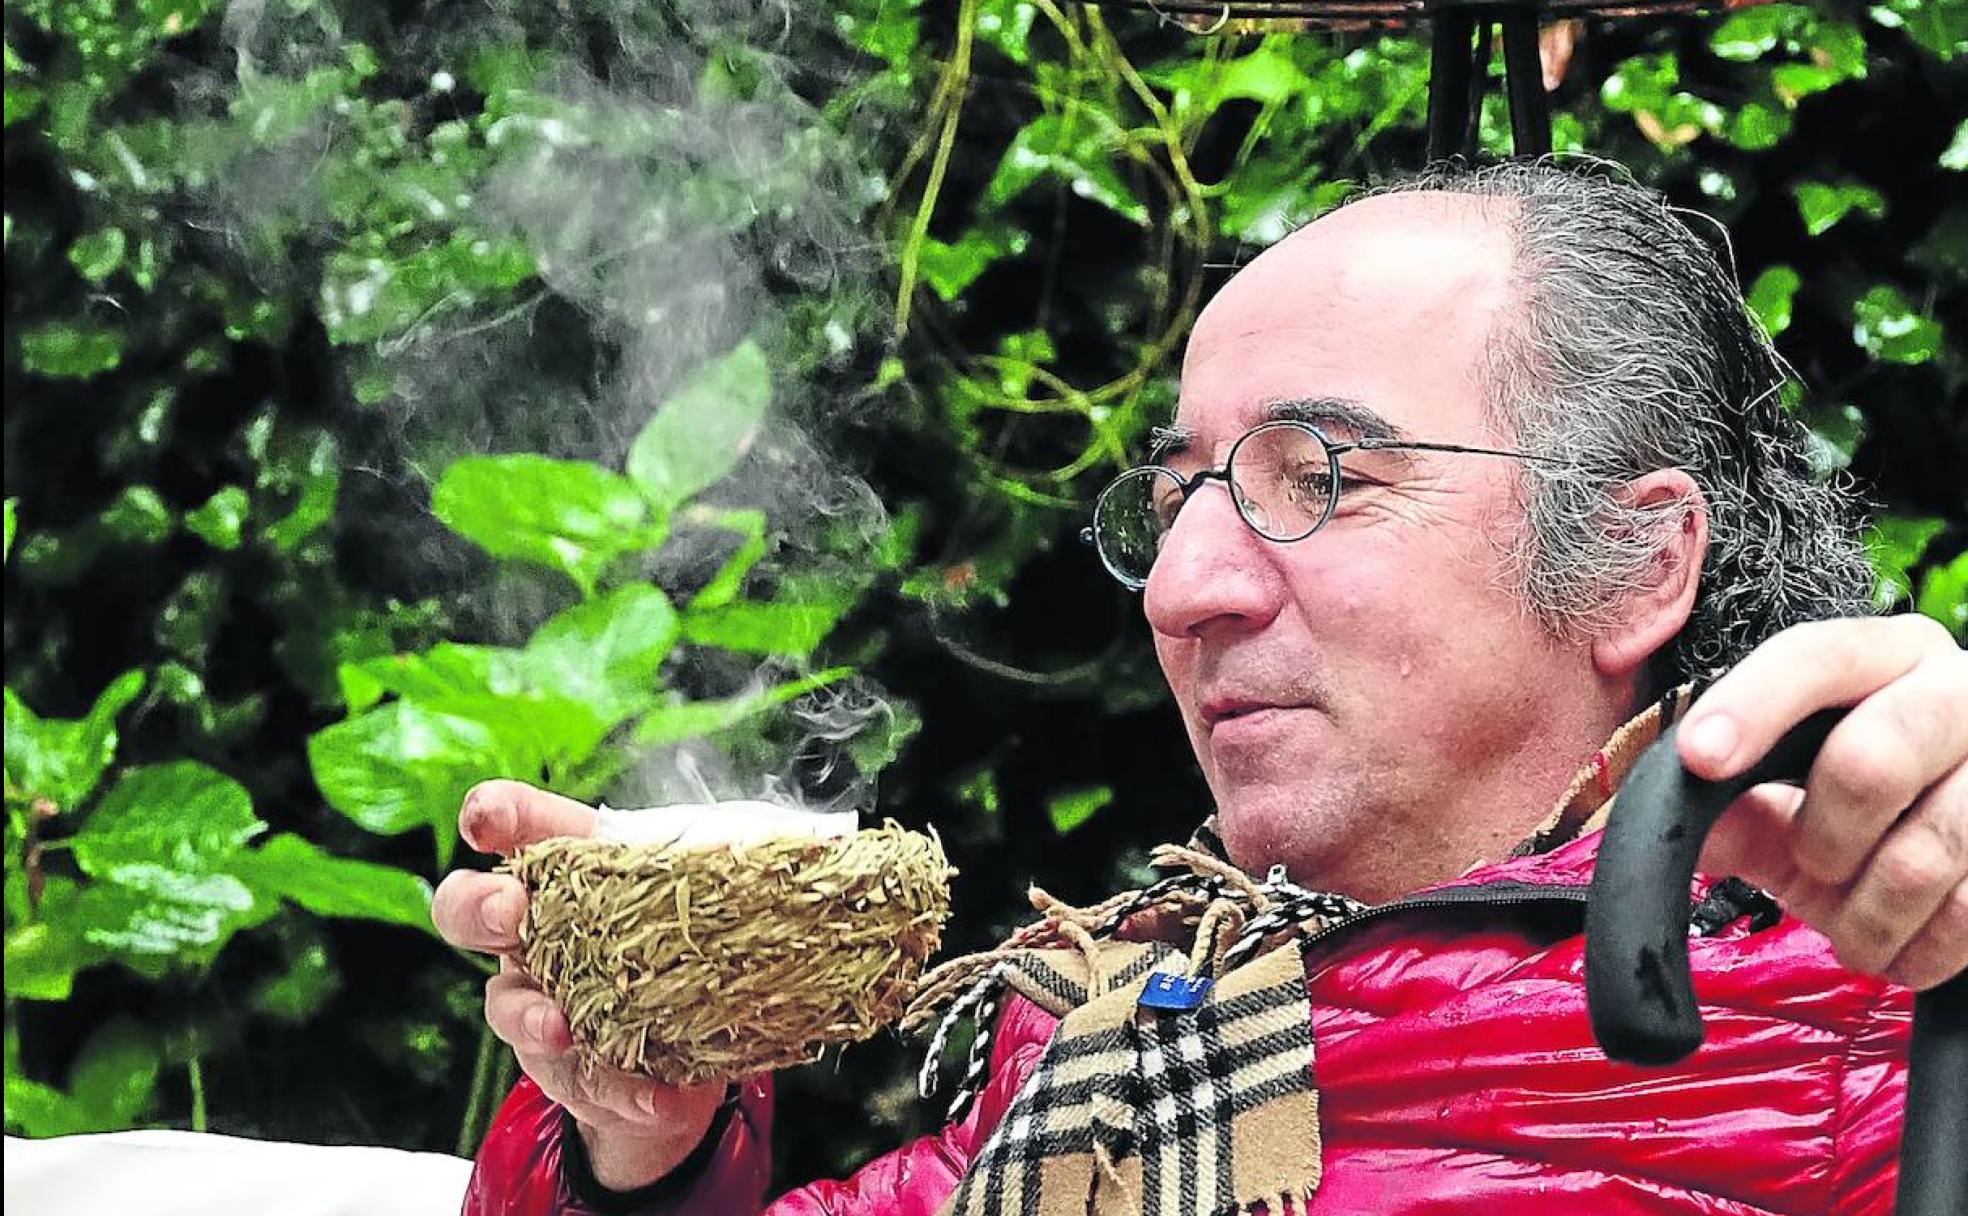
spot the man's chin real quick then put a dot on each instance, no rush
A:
(1259, 833)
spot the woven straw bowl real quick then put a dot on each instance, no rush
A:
(689, 964)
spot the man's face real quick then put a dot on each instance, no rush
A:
(1368, 704)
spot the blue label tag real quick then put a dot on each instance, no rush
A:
(1174, 992)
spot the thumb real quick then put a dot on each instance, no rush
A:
(505, 816)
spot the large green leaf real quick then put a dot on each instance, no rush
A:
(534, 720)
(797, 619)
(704, 428)
(447, 670)
(62, 759)
(155, 917)
(182, 816)
(568, 515)
(161, 846)
(608, 652)
(41, 1111)
(400, 767)
(293, 868)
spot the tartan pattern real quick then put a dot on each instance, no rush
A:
(1056, 980)
(1198, 1072)
(1164, 1113)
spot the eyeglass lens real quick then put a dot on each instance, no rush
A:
(1280, 476)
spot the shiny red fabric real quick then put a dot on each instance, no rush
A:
(1457, 1074)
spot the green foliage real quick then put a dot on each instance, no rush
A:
(567, 515)
(1770, 296)
(1822, 204)
(703, 430)
(60, 762)
(1944, 595)
(1071, 808)
(222, 385)
(1896, 544)
(112, 1084)
(1891, 328)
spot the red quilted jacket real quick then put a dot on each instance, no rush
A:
(1456, 1072)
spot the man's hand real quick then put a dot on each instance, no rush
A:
(635, 1130)
(1874, 853)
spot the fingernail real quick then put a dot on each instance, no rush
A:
(1712, 738)
(500, 913)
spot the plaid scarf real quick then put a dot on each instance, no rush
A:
(1161, 1112)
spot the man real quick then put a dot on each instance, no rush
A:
(1564, 488)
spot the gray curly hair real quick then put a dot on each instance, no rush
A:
(1633, 351)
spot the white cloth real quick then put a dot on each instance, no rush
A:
(166, 1173)
(716, 823)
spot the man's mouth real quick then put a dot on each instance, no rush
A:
(1229, 709)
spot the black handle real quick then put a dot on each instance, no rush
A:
(1637, 986)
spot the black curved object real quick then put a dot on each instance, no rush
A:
(1637, 985)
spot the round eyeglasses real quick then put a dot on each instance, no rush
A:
(1283, 476)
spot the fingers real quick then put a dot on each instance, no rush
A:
(525, 1017)
(505, 816)
(1752, 840)
(481, 912)
(1876, 763)
(528, 1020)
(1937, 954)
(1801, 670)
(1904, 916)
(1907, 914)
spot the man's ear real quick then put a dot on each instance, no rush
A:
(1660, 603)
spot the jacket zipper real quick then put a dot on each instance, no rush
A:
(1480, 896)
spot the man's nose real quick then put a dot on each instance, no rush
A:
(1213, 572)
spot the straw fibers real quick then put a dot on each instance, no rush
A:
(693, 963)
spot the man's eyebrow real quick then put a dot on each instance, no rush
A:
(1169, 441)
(1351, 418)
(1343, 414)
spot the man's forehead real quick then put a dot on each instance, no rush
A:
(1379, 314)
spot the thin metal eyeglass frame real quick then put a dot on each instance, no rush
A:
(1334, 450)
